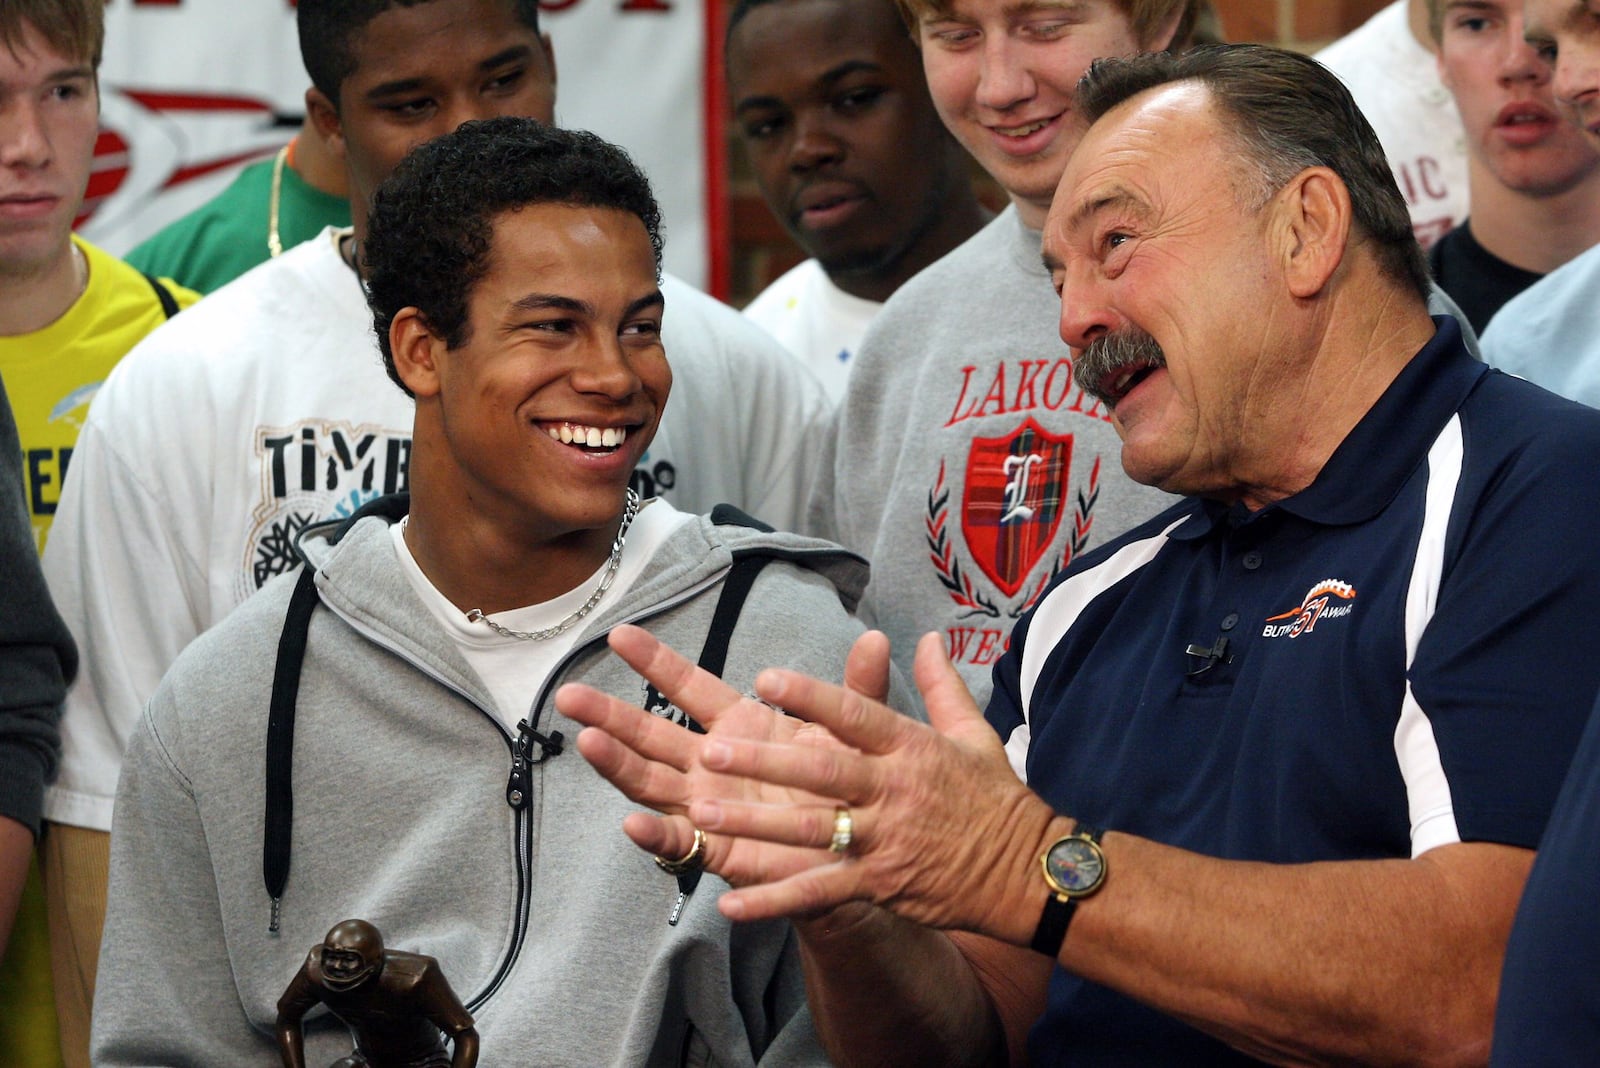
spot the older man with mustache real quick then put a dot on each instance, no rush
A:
(1262, 778)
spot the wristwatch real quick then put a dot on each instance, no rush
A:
(1074, 867)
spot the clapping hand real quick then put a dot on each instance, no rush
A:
(936, 818)
(655, 761)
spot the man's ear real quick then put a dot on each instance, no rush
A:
(325, 117)
(416, 352)
(549, 55)
(1314, 223)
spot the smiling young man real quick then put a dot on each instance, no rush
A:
(829, 99)
(1548, 333)
(221, 439)
(1534, 177)
(513, 279)
(966, 464)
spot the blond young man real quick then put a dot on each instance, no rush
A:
(1547, 333)
(1534, 179)
(967, 465)
(68, 313)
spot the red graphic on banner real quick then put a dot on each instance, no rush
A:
(106, 172)
(116, 151)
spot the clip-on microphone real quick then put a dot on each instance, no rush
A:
(1208, 656)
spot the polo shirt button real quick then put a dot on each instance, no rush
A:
(1252, 560)
(1230, 621)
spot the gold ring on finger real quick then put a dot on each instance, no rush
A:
(690, 861)
(843, 830)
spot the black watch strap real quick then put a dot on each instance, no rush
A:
(1058, 909)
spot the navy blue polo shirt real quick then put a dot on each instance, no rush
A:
(1398, 657)
(1549, 1010)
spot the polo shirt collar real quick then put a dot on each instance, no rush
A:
(1368, 468)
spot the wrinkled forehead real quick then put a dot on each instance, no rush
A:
(1161, 136)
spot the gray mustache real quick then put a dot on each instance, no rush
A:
(1109, 352)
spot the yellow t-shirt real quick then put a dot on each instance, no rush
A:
(52, 374)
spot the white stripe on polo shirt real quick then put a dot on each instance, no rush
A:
(1433, 820)
(1055, 615)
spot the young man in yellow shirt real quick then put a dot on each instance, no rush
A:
(68, 312)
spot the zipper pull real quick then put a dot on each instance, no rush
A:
(686, 884)
(517, 784)
(523, 758)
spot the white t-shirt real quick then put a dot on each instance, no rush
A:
(1395, 81)
(515, 669)
(816, 320)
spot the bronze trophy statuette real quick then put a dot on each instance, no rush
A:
(398, 1006)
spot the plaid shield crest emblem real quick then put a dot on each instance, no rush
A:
(1011, 510)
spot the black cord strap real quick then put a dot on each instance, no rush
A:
(280, 739)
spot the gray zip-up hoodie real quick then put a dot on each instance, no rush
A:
(546, 920)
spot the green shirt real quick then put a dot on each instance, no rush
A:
(227, 235)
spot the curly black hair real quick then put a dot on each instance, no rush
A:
(327, 27)
(431, 226)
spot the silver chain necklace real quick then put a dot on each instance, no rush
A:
(477, 616)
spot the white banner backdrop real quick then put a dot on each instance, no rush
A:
(191, 90)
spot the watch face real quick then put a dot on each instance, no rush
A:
(1074, 865)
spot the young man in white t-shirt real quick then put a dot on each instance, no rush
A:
(830, 102)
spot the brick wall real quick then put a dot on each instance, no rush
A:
(1301, 24)
(762, 251)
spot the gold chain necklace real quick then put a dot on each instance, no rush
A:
(274, 242)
